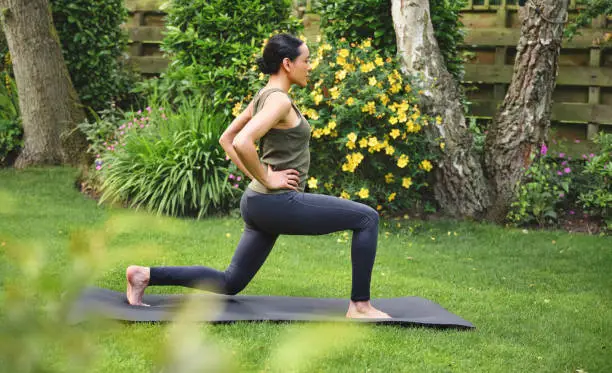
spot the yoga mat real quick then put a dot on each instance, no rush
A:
(405, 311)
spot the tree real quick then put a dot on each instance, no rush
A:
(50, 108)
(465, 186)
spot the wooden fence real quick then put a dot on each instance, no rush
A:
(584, 85)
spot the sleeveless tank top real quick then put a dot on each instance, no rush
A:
(283, 148)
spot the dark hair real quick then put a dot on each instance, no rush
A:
(279, 47)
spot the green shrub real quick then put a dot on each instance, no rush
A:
(545, 187)
(357, 20)
(213, 44)
(169, 162)
(364, 123)
(11, 131)
(596, 195)
(92, 43)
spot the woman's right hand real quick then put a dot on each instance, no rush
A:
(285, 179)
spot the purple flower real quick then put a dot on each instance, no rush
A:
(572, 212)
(97, 155)
(139, 112)
(554, 141)
(238, 178)
(586, 215)
(561, 155)
(161, 109)
(559, 173)
(561, 195)
(567, 170)
(584, 156)
(98, 167)
(577, 141)
(227, 158)
(543, 149)
(142, 126)
(148, 109)
(235, 185)
(231, 176)
(564, 163)
(591, 155)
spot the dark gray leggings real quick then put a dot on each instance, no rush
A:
(269, 215)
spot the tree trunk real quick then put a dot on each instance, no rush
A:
(522, 123)
(461, 187)
(50, 108)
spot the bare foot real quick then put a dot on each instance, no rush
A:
(137, 281)
(365, 310)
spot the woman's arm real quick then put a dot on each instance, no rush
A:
(276, 109)
(230, 133)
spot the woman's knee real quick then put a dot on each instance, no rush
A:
(372, 215)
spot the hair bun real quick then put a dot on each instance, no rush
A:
(263, 66)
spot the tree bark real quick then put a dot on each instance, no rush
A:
(461, 188)
(522, 122)
(50, 107)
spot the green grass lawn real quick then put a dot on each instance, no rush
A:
(541, 301)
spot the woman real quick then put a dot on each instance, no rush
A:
(274, 202)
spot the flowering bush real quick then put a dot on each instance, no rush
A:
(367, 133)
(596, 195)
(546, 185)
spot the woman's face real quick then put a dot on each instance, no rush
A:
(301, 67)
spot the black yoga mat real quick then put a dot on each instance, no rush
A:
(406, 311)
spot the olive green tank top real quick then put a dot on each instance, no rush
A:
(283, 148)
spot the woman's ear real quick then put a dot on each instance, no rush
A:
(287, 64)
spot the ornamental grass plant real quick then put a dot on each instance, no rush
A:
(169, 161)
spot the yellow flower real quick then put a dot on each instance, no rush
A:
(311, 113)
(340, 74)
(403, 161)
(393, 120)
(369, 107)
(318, 98)
(379, 61)
(353, 160)
(372, 141)
(351, 145)
(317, 133)
(389, 178)
(331, 125)
(406, 182)
(366, 44)
(384, 99)
(379, 207)
(326, 131)
(236, 109)
(363, 143)
(389, 150)
(392, 196)
(326, 47)
(335, 92)
(442, 145)
(352, 137)
(394, 133)
(407, 88)
(345, 195)
(438, 120)
(367, 67)
(350, 101)
(340, 60)
(261, 76)
(363, 193)
(372, 80)
(312, 183)
(426, 165)
(343, 52)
